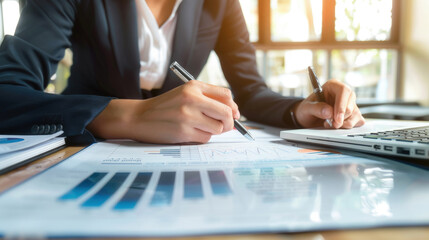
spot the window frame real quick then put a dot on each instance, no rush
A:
(21, 4)
(1, 21)
(328, 41)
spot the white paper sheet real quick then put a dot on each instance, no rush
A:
(11, 143)
(124, 188)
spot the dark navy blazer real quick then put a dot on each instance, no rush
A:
(103, 37)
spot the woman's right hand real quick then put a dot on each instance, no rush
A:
(192, 112)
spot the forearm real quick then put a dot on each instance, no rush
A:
(116, 120)
(270, 108)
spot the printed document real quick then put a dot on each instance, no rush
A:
(229, 185)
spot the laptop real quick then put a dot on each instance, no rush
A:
(385, 137)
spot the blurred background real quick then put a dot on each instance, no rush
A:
(380, 48)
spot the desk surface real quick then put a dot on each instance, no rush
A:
(21, 174)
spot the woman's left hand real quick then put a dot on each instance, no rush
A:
(340, 107)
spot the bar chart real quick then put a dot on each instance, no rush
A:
(177, 174)
(132, 154)
(161, 194)
(174, 152)
(134, 192)
(193, 186)
(83, 186)
(164, 189)
(123, 188)
(219, 183)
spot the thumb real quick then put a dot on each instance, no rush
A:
(320, 110)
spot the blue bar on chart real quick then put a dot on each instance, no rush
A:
(164, 190)
(106, 191)
(83, 186)
(193, 187)
(135, 192)
(168, 152)
(219, 183)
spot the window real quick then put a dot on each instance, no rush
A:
(9, 16)
(1, 23)
(354, 41)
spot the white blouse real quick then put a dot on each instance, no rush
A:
(155, 45)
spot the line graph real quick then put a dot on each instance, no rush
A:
(261, 152)
(243, 152)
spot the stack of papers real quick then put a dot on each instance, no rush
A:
(16, 150)
(123, 188)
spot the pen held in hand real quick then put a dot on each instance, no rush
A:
(317, 89)
(186, 76)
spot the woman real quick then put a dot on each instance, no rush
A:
(120, 86)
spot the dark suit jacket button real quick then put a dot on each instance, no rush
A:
(41, 129)
(47, 129)
(35, 129)
(59, 127)
(53, 129)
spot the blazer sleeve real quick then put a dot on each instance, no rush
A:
(237, 57)
(28, 60)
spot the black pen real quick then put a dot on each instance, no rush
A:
(186, 76)
(317, 89)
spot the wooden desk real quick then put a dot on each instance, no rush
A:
(14, 177)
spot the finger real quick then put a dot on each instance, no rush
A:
(320, 110)
(195, 135)
(222, 95)
(201, 136)
(342, 95)
(361, 122)
(217, 111)
(175, 133)
(185, 133)
(355, 120)
(208, 124)
(350, 106)
(196, 102)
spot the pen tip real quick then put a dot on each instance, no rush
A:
(249, 137)
(329, 121)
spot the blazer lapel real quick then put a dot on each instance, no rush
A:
(122, 21)
(188, 19)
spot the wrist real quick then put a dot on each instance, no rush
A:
(294, 116)
(115, 121)
(290, 117)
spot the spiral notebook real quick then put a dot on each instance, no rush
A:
(17, 150)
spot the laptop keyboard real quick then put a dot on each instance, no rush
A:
(418, 135)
